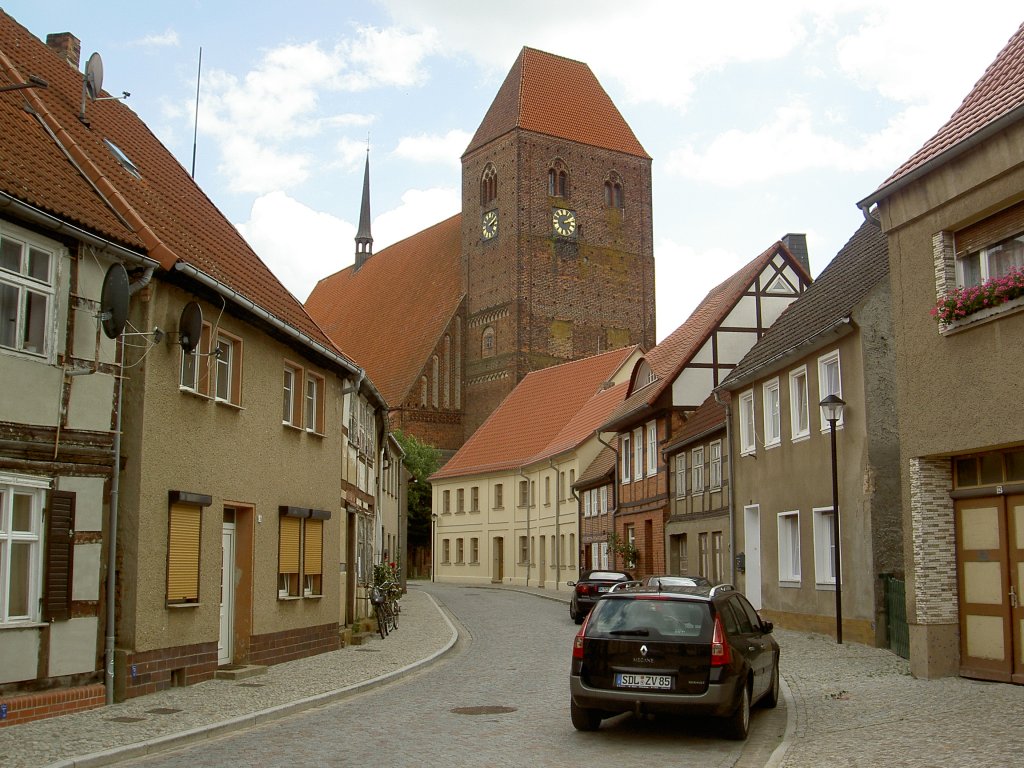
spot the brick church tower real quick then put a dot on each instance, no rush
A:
(557, 248)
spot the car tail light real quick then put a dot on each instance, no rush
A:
(585, 589)
(720, 654)
(580, 639)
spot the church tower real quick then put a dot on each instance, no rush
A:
(364, 240)
(558, 261)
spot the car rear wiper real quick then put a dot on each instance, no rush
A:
(637, 632)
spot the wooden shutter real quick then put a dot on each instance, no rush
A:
(288, 554)
(992, 230)
(183, 553)
(60, 521)
(313, 551)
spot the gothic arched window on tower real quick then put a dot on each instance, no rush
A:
(558, 180)
(488, 185)
(613, 191)
(487, 342)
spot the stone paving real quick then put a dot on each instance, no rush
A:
(844, 705)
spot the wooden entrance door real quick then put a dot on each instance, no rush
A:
(990, 576)
(498, 567)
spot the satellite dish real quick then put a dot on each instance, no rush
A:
(114, 301)
(190, 326)
(94, 76)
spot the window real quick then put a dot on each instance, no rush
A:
(717, 557)
(474, 499)
(604, 555)
(716, 464)
(547, 490)
(572, 477)
(772, 414)
(561, 485)
(524, 550)
(680, 475)
(587, 500)
(684, 554)
(524, 490)
(824, 551)
(460, 504)
(613, 191)
(290, 403)
(21, 515)
(228, 384)
(572, 550)
(789, 546)
(975, 267)
(289, 548)
(446, 502)
(446, 551)
(499, 501)
(747, 445)
(829, 383)
(474, 550)
(558, 180)
(704, 557)
(638, 453)
(312, 556)
(487, 342)
(183, 527)
(314, 403)
(27, 280)
(799, 413)
(604, 500)
(652, 448)
(697, 470)
(459, 559)
(631, 535)
(195, 365)
(488, 185)
(625, 456)
(533, 492)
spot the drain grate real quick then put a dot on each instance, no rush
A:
(485, 710)
(250, 685)
(125, 719)
(162, 711)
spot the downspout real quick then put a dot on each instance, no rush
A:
(615, 484)
(558, 512)
(115, 487)
(529, 547)
(579, 527)
(732, 477)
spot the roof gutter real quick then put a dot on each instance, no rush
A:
(962, 147)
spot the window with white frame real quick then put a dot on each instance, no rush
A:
(789, 546)
(824, 549)
(28, 276)
(228, 382)
(772, 414)
(195, 365)
(21, 517)
(624, 444)
(703, 556)
(290, 403)
(680, 475)
(715, 462)
(799, 410)
(652, 447)
(977, 266)
(717, 557)
(747, 434)
(314, 403)
(638, 453)
(587, 497)
(697, 470)
(604, 500)
(829, 383)
(603, 559)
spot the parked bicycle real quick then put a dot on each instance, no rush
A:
(386, 618)
(385, 594)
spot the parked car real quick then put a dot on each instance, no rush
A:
(663, 580)
(589, 588)
(678, 650)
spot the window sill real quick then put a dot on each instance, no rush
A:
(26, 624)
(194, 393)
(289, 425)
(315, 433)
(801, 437)
(773, 444)
(983, 316)
(310, 596)
(178, 606)
(825, 586)
(789, 584)
(229, 404)
(288, 598)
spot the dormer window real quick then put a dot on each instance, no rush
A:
(558, 180)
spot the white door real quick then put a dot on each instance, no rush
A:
(752, 542)
(227, 595)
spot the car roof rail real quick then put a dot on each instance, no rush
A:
(721, 588)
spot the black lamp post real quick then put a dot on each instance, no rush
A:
(833, 408)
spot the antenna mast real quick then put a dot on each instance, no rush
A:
(195, 129)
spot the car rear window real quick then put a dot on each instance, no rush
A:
(668, 618)
(606, 576)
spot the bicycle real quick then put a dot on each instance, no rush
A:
(392, 591)
(382, 611)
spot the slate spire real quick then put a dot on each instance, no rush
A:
(364, 240)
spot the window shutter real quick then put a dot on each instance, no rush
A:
(312, 555)
(991, 230)
(288, 557)
(183, 553)
(60, 521)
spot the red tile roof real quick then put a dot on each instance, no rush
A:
(163, 213)
(389, 315)
(558, 97)
(668, 358)
(550, 411)
(999, 92)
(599, 471)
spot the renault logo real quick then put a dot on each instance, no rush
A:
(643, 650)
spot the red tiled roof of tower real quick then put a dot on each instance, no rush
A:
(377, 314)
(559, 97)
(999, 91)
(708, 417)
(669, 357)
(598, 470)
(542, 416)
(174, 219)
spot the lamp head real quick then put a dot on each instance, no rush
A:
(833, 406)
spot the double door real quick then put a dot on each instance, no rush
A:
(990, 575)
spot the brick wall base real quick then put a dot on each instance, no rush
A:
(139, 674)
(291, 644)
(39, 706)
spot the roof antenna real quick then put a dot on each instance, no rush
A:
(195, 129)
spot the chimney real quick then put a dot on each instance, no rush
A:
(67, 46)
(797, 245)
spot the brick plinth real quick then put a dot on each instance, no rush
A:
(45, 704)
(279, 647)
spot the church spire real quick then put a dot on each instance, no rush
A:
(364, 240)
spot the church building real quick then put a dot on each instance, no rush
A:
(550, 260)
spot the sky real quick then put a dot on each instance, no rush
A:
(762, 118)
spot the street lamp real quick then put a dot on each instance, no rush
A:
(832, 405)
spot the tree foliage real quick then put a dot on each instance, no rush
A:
(421, 460)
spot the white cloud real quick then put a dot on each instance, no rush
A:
(445, 149)
(168, 38)
(249, 166)
(420, 208)
(386, 58)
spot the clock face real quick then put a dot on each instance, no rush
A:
(490, 224)
(564, 222)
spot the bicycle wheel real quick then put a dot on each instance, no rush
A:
(393, 610)
(382, 620)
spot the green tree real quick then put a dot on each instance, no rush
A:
(421, 460)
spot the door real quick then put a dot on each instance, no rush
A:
(752, 542)
(498, 567)
(990, 577)
(225, 644)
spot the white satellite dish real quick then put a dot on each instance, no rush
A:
(94, 76)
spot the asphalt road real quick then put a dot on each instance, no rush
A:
(499, 699)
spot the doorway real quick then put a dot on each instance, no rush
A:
(225, 641)
(752, 542)
(498, 564)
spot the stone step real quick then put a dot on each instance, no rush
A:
(239, 671)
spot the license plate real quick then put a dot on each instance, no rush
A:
(603, 589)
(654, 682)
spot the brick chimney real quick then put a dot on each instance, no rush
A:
(67, 46)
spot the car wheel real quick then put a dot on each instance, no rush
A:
(738, 725)
(578, 618)
(771, 697)
(584, 719)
